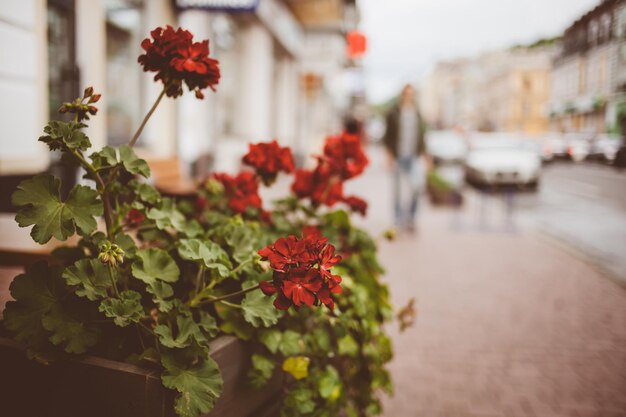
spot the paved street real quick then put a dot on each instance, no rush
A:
(510, 322)
(584, 206)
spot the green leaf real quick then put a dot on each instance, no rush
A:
(60, 134)
(36, 292)
(187, 331)
(258, 309)
(167, 215)
(40, 205)
(291, 343)
(161, 292)
(242, 239)
(70, 331)
(124, 310)
(271, 338)
(212, 256)
(39, 313)
(233, 322)
(153, 264)
(300, 399)
(145, 192)
(132, 162)
(200, 385)
(261, 371)
(330, 384)
(91, 277)
(105, 157)
(348, 346)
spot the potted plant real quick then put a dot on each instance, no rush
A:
(165, 304)
(441, 192)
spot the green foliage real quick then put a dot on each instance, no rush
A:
(40, 205)
(124, 310)
(175, 276)
(258, 310)
(90, 276)
(199, 385)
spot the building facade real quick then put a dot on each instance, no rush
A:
(505, 90)
(588, 73)
(267, 50)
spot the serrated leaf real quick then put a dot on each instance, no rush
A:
(40, 205)
(39, 312)
(154, 263)
(233, 322)
(167, 215)
(242, 240)
(36, 292)
(105, 157)
(212, 256)
(132, 162)
(69, 331)
(145, 192)
(259, 310)
(124, 310)
(187, 330)
(161, 292)
(90, 276)
(300, 399)
(261, 371)
(60, 134)
(199, 385)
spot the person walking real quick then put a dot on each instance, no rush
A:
(406, 148)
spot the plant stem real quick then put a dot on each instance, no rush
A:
(227, 296)
(145, 119)
(101, 186)
(239, 267)
(117, 293)
(229, 304)
(199, 278)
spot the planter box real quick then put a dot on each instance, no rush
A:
(96, 387)
(440, 197)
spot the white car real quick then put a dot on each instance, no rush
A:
(446, 146)
(494, 162)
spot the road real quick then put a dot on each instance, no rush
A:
(584, 207)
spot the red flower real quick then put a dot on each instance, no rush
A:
(302, 270)
(356, 204)
(345, 156)
(175, 58)
(134, 216)
(269, 159)
(318, 186)
(285, 252)
(242, 191)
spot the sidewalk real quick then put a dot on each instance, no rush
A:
(509, 324)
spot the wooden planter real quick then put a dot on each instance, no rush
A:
(96, 387)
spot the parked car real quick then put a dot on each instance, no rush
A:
(446, 147)
(604, 147)
(577, 146)
(494, 162)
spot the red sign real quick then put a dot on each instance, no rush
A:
(357, 44)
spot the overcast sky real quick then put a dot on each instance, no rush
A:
(406, 38)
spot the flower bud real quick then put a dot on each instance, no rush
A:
(94, 98)
(111, 254)
(213, 186)
(92, 110)
(390, 234)
(88, 92)
(63, 109)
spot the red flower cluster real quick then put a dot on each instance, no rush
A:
(176, 58)
(242, 191)
(343, 159)
(302, 271)
(269, 159)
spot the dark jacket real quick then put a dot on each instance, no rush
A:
(391, 137)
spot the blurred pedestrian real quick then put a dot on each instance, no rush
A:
(406, 148)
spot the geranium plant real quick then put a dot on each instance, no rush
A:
(157, 279)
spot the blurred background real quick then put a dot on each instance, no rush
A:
(518, 260)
